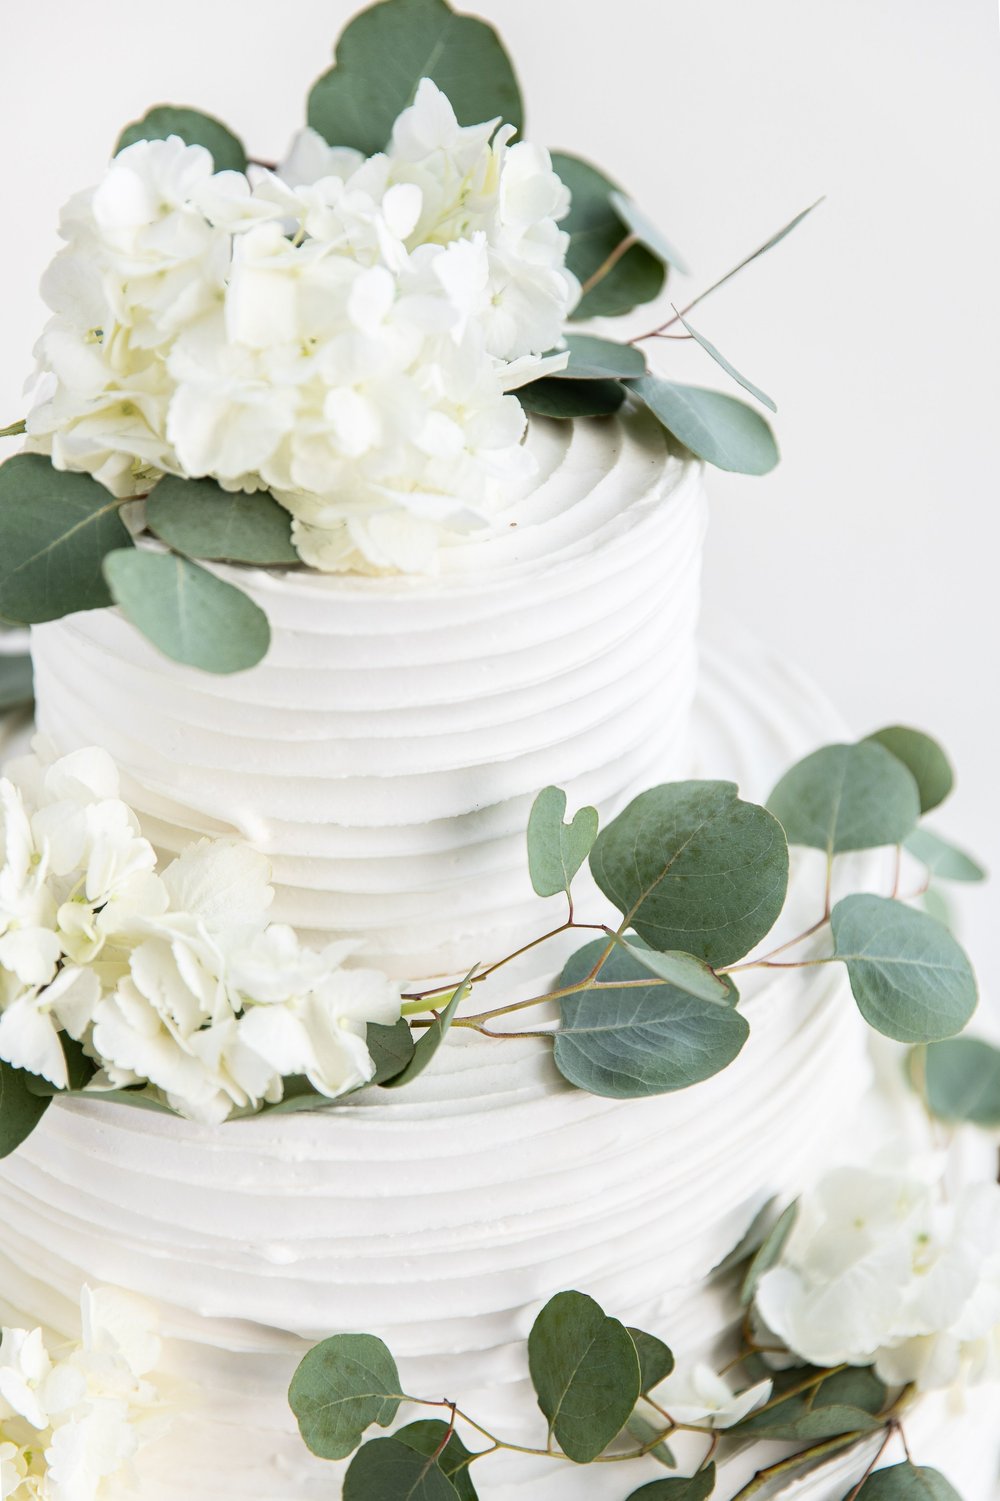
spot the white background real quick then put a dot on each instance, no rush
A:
(871, 555)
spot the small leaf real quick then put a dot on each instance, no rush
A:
(20, 1107)
(595, 231)
(847, 797)
(639, 1040)
(556, 850)
(857, 1386)
(427, 1436)
(17, 685)
(796, 1421)
(717, 428)
(585, 1372)
(55, 530)
(721, 360)
(692, 867)
(684, 972)
(768, 1253)
(910, 978)
(385, 52)
(432, 1038)
(388, 1470)
(591, 358)
(391, 1048)
(566, 399)
(678, 1488)
(924, 760)
(194, 129)
(944, 861)
(644, 1431)
(656, 1359)
(645, 231)
(200, 519)
(343, 1386)
(187, 612)
(960, 1080)
(907, 1482)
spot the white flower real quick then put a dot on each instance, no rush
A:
(702, 1396)
(30, 1024)
(881, 1269)
(24, 1368)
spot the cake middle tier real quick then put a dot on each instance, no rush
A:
(386, 752)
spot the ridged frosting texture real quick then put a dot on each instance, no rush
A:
(386, 752)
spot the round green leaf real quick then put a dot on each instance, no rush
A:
(924, 760)
(645, 231)
(17, 686)
(910, 978)
(387, 1469)
(552, 397)
(342, 1387)
(656, 1359)
(431, 1040)
(194, 128)
(591, 358)
(385, 52)
(391, 1048)
(585, 1372)
(960, 1080)
(683, 971)
(187, 612)
(427, 1436)
(55, 530)
(694, 868)
(717, 428)
(907, 1482)
(556, 850)
(639, 1040)
(678, 1488)
(595, 230)
(20, 1107)
(944, 861)
(200, 519)
(847, 797)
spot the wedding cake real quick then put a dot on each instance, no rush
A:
(371, 1127)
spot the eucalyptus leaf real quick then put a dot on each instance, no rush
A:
(585, 1372)
(847, 797)
(911, 979)
(684, 971)
(55, 530)
(639, 1040)
(720, 359)
(383, 54)
(678, 1488)
(799, 1422)
(556, 850)
(646, 232)
(433, 1037)
(907, 1482)
(924, 760)
(80, 1069)
(20, 1107)
(656, 1359)
(596, 230)
(200, 519)
(768, 1254)
(960, 1080)
(645, 1432)
(194, 129)
(754, 255)
(17, 686)
(857, 1386)
(429, 1436)
(391, 1048)
(387, 1469)
(341, 1387)
(692, 867)
(185, 611)
(567, 399)
(944, 861)
(591, 358)
(717, 428)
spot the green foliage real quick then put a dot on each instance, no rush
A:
(911, 979)
(341, 1387)
(768, 1252)
(591, 358)
(943, 860)
(959, 1079)
(556, 850)
(21, 1108)
(645, 1432)
(717, 428)
(432, 1038)
(194, 128)
(907, 1482)
(17, 685)
(730, 370)
(678, 1488)
(200, 519)
(596, 229)
(924, 760)
(430, 1437)
(847, 797)
(384, 53)
(645, 231)
(566, 399)
(391, 1048)
(692, 867)
(389, 1470)
(585, 1371)
(685, 972)
(55, 530)
(656, 1360)
(639, 1040)
(185, 611)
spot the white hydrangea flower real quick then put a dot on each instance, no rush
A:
(882, 1269)
(700, 1395)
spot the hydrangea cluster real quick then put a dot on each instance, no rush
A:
(343, 332)
(175, 978)
(73, 1420)
(885, 1270)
